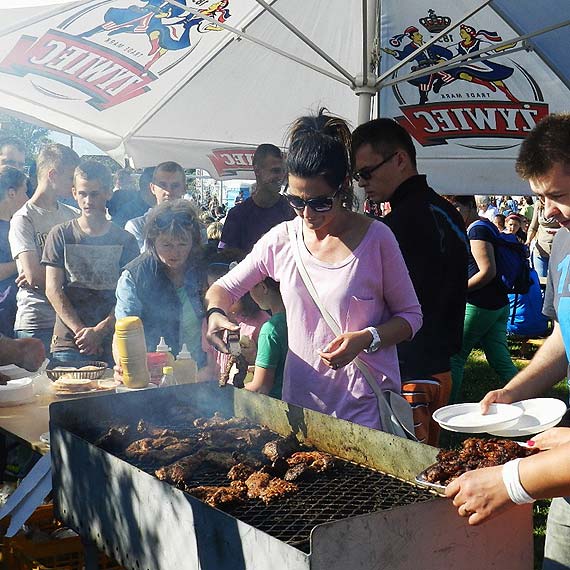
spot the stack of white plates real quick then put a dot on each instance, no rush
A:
(519, 419)
(15, 392)
(467, 418)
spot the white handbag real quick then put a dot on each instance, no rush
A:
(395, 411)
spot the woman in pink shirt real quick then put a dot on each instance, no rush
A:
(357, 269)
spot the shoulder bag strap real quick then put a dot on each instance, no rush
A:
(329, 319)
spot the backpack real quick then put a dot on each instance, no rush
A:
(511, 259)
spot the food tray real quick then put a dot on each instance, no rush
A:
(421, 480)
(72, 368)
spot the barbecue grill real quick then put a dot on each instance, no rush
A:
(366, 513)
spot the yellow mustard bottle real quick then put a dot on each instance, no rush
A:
(131, 347)
(185, 368)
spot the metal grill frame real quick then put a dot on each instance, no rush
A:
(147, 524)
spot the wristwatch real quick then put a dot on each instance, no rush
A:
(376, 340)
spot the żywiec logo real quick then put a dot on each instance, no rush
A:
(475, 100)
(112, 50)
(230, 161)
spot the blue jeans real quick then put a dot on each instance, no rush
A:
(539, 263)
(73, 355)
(44, 335)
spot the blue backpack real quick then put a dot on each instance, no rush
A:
(511, 259)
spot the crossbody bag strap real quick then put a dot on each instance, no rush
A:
(329, 319)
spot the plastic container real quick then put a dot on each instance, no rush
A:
(185, 368)
(168, 378)
(131, 348)
(163, 348)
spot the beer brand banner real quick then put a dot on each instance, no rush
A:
(467, 121)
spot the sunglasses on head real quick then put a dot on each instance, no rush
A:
(320, 204)
(166, 220)
(366, 173)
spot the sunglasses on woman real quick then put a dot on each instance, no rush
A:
(320, 204)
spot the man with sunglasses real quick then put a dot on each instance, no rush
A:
(265, 208)
(431, 235)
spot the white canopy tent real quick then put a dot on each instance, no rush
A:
(203, 82)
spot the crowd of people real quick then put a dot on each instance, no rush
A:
(331, 305)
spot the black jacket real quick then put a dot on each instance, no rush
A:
(432, 237)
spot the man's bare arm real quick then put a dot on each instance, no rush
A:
(548, 366)
(55, 277)
(32, 271)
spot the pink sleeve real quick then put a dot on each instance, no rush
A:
(399, 292)
(254, 268)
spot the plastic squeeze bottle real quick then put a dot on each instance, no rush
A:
(185, 369)
(131, 347)
(158, 360)
(168, 378)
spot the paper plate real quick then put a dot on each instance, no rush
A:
(467, 418)
(538, 414)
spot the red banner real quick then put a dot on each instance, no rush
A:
(106, 76)
(434, 123)
(228, 162)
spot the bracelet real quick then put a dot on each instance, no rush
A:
(213, 310)
(512, 482)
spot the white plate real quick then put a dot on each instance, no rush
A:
(539, 414)
(467, 418)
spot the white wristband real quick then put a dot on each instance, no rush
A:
(512, 482)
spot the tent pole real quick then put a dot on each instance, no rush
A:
(365, 89)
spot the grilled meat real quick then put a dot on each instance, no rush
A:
(262, 486)
(217, 421)
(160, 449)
(115, 439)
(239, 376)
(181, 470)
(240, 472)
(305, 465)
(280, 448)
(150, 430)
(237, 438)
(475, 453)
(219, 497)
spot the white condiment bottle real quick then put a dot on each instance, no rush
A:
(185, 368)
(163, 347)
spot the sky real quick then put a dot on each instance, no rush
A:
(81, 146)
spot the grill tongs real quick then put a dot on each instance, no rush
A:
(236, 367)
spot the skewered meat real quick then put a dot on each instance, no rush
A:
(219, 497)
(238, 378)
(280, 448)
(262, 486)
(474, 454)
(160, 449)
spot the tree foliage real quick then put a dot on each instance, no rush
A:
(31, 135)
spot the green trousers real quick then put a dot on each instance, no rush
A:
(489, 329)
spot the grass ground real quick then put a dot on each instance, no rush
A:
(479, 379)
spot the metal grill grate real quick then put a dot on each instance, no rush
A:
(348, 490)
